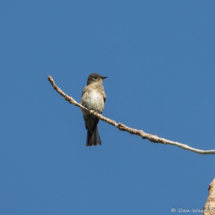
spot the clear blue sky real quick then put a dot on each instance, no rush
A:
(159, 59)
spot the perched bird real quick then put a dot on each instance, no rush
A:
(93, 98)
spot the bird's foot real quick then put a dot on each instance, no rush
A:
(96, 112)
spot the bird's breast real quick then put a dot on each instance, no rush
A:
(93, 100)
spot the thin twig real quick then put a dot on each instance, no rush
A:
(122, 127)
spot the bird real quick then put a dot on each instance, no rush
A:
(93, 98)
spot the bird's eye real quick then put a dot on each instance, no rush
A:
(95, 77)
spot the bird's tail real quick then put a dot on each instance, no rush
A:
(93, 138)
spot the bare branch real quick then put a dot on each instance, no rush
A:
(209, 208)
(122, 127)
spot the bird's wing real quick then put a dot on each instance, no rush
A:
(102, 92)
(85, 90)
(104, 96)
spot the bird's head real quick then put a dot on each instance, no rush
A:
(95, 78)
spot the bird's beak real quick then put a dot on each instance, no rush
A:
(104, 77)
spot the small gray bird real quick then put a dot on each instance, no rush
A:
(93, 98)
